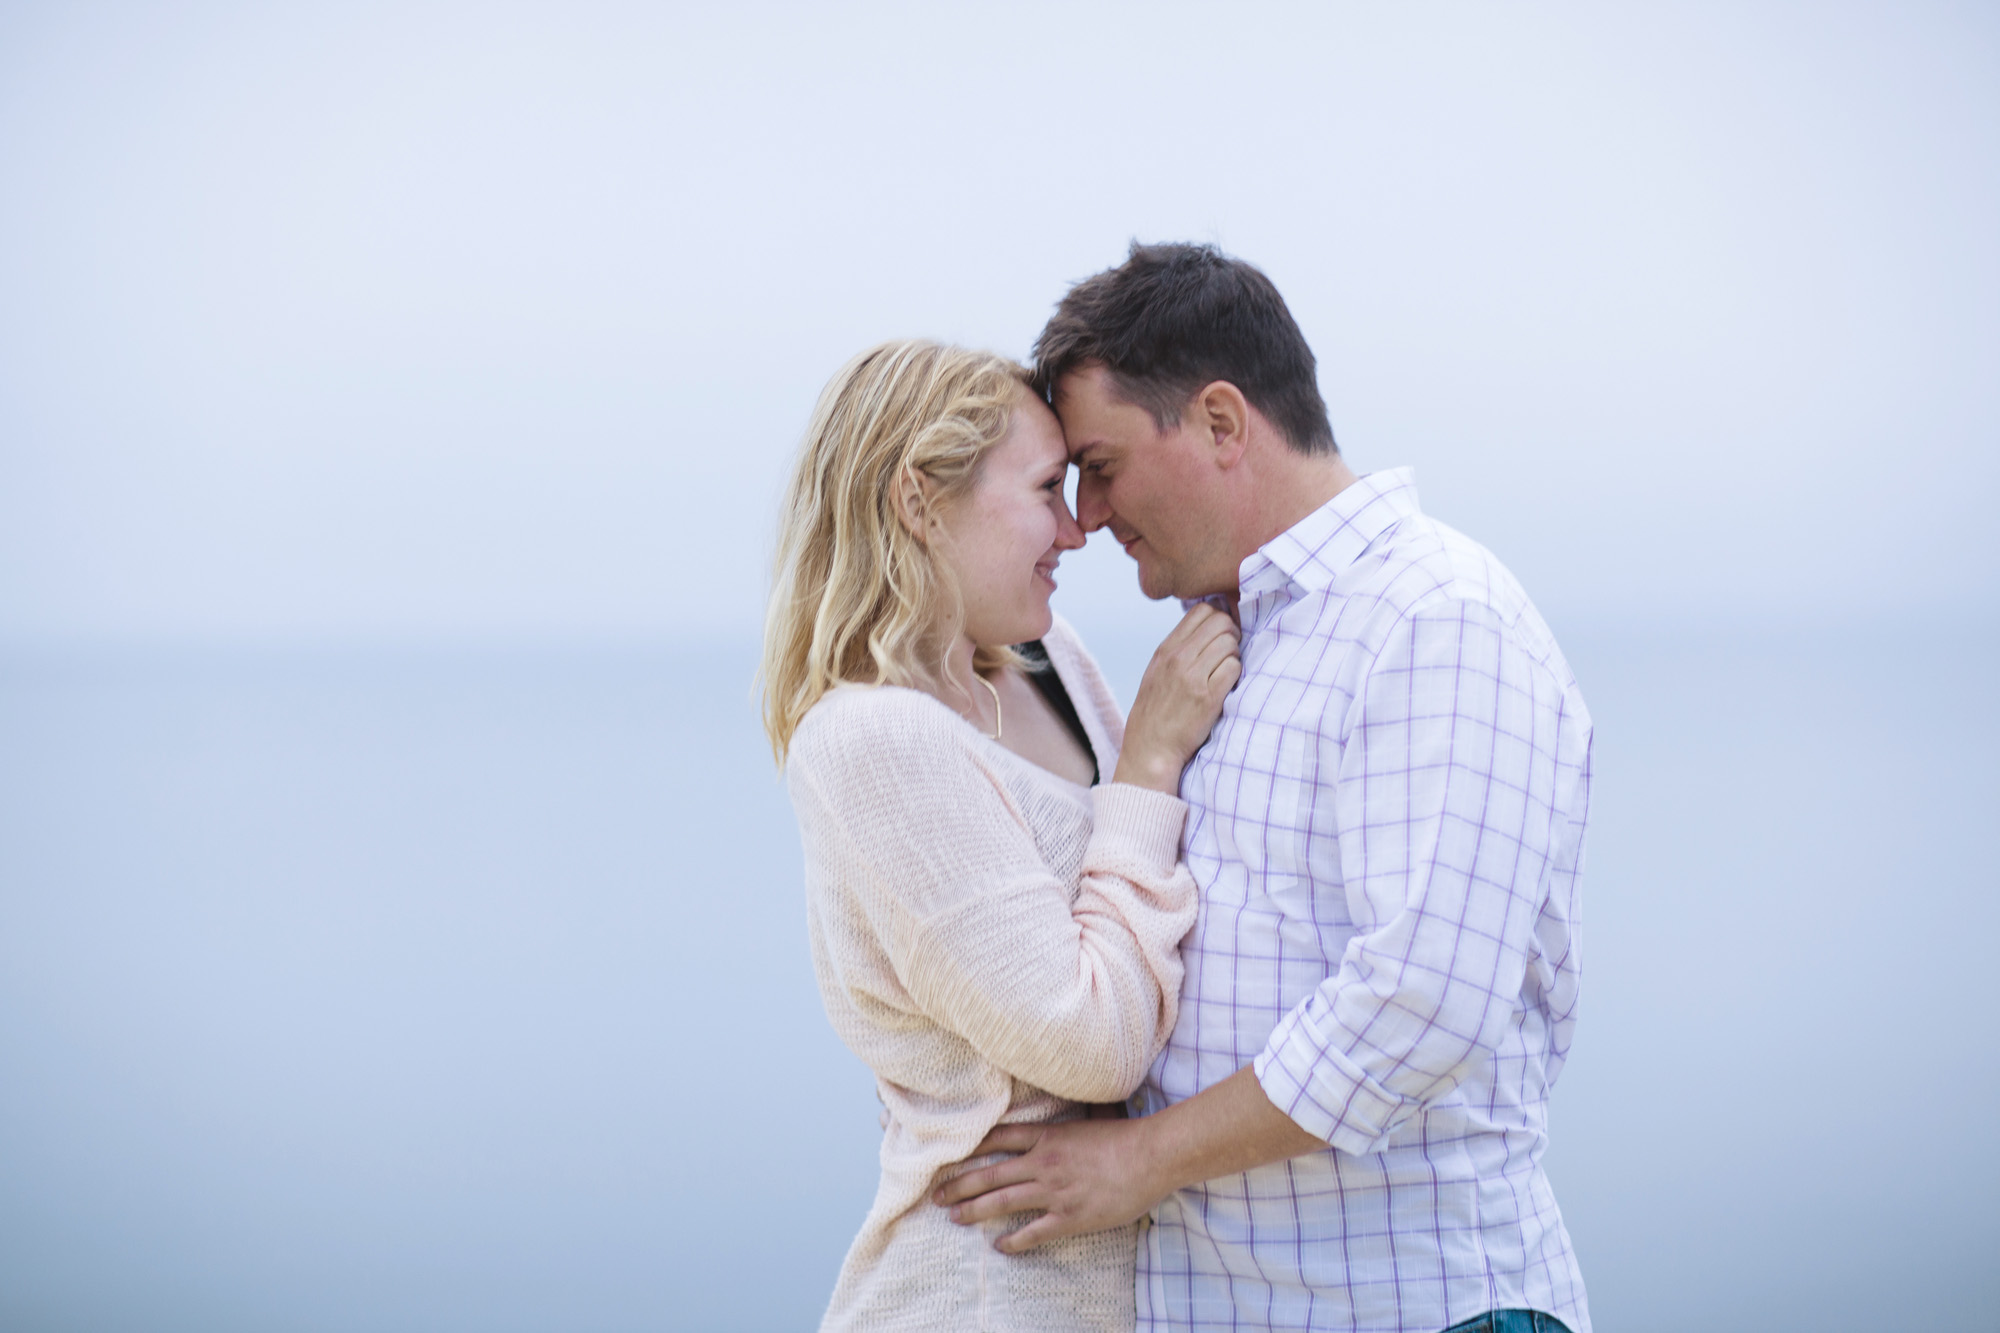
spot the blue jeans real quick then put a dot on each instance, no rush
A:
(1511, 1321)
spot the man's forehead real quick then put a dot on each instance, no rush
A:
(1079, 445)
(1073, 399)
(1079, 385)
(1089, 411)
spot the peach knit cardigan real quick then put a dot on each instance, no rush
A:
(998, 944)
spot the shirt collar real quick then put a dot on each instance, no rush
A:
(1312, 552)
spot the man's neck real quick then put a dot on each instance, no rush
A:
(1291, 485)
(1275, 489)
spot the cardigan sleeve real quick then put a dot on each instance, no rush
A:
(1075, 997)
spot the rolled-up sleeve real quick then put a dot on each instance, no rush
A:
(1446, 795)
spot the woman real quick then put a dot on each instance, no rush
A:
(995, 932)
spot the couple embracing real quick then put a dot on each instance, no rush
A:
(1240, 1011)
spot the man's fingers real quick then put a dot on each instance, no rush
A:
(971, 1184)
(984, 1180)
(1043, 1229)
(1010, 1138)
(1013, 1199)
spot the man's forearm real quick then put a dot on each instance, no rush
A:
(1221, 1131)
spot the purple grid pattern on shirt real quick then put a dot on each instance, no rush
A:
(1387, 827)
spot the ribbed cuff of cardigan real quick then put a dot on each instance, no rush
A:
(1138, 822)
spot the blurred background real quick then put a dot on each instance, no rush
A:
(400, 920)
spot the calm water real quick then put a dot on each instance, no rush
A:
(471, 993)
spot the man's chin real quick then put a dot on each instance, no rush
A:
(1157, 584)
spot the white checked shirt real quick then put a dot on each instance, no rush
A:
(1387, 828)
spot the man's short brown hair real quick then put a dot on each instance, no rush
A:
(1173, 318)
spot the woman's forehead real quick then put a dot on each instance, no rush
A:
(1036, 435)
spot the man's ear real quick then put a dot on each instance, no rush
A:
(913, 504)
(1224, 413)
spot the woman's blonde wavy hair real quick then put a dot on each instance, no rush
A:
(855, 594)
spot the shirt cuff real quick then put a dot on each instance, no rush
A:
(1138, 823)
(1323, 1091)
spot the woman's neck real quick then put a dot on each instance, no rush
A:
(963, 691)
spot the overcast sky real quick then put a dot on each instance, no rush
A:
(323, 322)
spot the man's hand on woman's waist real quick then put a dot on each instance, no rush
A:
(1092, 1175)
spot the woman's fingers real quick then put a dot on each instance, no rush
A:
(1201, 621)
(1219, 663)
(1202, 624)
(1221, 631)
(1199, 645)
(1223, 643)
(1178, 699)
(1194, 667)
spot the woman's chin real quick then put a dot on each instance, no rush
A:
(1024, 624)
(1030, 627)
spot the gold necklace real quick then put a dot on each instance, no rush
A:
(996, 703)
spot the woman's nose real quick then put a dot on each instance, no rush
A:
(1069, 533)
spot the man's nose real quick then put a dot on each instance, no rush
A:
(1092, 510)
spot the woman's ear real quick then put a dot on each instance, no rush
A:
(913, 503)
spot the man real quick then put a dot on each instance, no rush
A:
(1346, 1129)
